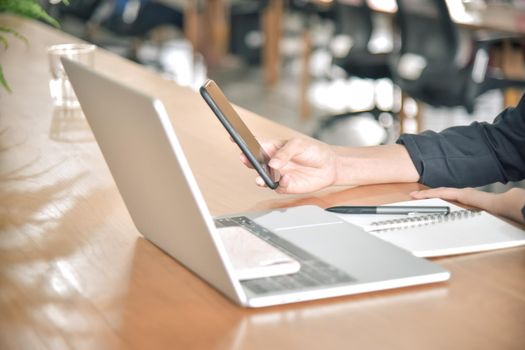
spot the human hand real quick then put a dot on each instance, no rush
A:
(304, 165)
(508, 204)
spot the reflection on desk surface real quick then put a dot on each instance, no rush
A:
(159, 291)
(70, 125)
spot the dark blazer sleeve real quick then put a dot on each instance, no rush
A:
(473, 155)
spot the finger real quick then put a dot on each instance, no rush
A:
(468, 196)
(441, 192)
(288, 151)
(245, 161)
(260, 182)
(292, 185)
(271, 146)
(283, 184)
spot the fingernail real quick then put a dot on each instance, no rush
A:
(259, 181)
(413, 193)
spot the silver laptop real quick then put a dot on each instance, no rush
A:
(150, 169)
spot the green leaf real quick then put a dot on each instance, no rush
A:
(13, 32)
(3, 82)
(4, 42)
(27, 8)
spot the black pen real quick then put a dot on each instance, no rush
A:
(387, 209)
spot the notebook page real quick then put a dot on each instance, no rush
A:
(472, 234)
(365, 220)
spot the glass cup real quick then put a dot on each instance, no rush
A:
(59, 86)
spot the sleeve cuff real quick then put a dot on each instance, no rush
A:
(413, 151)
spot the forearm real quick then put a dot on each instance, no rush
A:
(373, 165)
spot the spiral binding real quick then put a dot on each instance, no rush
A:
(422, 220)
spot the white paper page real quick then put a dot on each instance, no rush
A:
(475, 233)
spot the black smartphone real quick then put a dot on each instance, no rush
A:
(239, 132)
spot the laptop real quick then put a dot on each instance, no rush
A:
(163, 198)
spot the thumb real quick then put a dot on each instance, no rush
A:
(287, 152)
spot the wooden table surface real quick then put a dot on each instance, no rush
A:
(76, 274)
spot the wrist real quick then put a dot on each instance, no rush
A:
(373, 165)
(343, 162)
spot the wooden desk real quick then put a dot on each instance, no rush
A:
(75, 273)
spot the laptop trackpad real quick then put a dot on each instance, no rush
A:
(362, 255)
(343, 245)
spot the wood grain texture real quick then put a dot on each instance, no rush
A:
(75, 273)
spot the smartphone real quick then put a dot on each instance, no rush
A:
(239, 132)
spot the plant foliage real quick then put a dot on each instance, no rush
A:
(24, 8)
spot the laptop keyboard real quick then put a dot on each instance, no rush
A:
(313, 272)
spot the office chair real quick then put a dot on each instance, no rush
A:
(353, 31)
(132, 20)
(319, 8)
(80, 9)
(351, 51)
(135, 17)
(432, 63)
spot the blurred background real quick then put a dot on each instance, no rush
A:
(348, 72)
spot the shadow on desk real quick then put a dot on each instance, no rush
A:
(343, 195)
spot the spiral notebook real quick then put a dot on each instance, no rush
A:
(461, 231)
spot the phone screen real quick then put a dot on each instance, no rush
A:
(239, 132)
